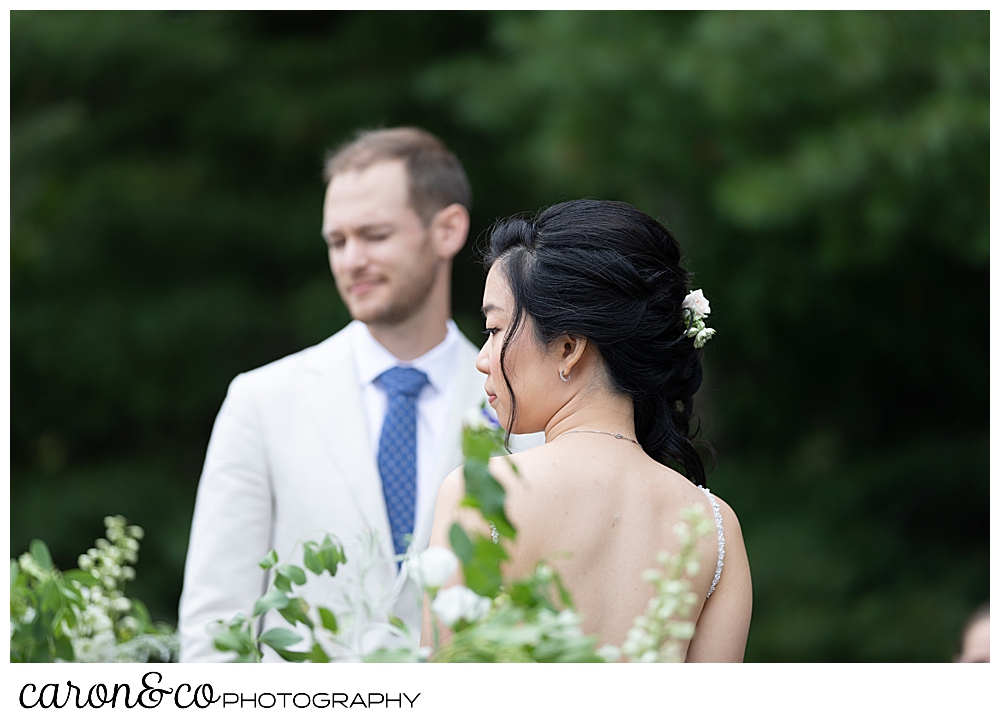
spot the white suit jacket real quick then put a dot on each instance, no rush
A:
(289, 459)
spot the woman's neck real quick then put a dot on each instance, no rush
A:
(597, 409)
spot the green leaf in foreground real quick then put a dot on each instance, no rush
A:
(272, 599)
(294, 573)
(460, 543)
(40, 551)
(328, 619)
(483, 492)
(279, 638)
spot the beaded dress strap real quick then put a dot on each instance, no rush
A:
(722, 540)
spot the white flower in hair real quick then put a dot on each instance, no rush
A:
(696, 308)
(697, 303)
(703, 336)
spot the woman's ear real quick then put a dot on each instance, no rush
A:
(570, 352)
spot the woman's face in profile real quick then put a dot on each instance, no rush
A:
(533, 374)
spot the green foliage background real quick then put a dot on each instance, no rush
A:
(826, 173)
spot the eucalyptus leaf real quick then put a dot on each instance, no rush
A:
(296, 611)
(271, 600)
(269, 560)
(331, 553)
(311, 560)
(279, 638)
(294, 573)
(238, 641)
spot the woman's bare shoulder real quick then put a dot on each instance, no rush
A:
(509, 467)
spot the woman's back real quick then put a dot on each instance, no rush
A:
(599, 509)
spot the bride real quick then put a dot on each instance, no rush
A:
(590, 342)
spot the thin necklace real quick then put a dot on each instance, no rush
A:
(597, 431)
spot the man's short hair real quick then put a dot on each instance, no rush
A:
(436, 176)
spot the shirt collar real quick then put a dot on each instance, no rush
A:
(372, 359)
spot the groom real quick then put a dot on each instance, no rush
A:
(354, 435)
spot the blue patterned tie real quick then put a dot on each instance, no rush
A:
(397, 450)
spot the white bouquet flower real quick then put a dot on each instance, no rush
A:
(432, 567)
(459, 604)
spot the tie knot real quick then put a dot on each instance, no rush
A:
(403, 380)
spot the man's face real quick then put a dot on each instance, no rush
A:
(380, 252)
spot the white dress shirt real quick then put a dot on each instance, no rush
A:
(433, 402)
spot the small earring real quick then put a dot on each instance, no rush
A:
(561, 376)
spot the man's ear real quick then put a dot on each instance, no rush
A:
(448, 230)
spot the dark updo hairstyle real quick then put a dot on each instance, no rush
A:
(608, 273)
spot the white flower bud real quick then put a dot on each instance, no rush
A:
(459, 603)
(102, 544)
(432, 567)
(681, 629)
(568, 617)
(128, 573)
(84, 562)
(703, 336)
(674, 587)
(136, 532)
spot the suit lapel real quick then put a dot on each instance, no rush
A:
(334, 399)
